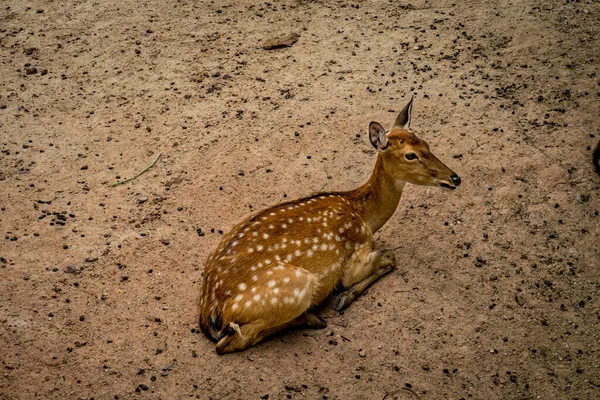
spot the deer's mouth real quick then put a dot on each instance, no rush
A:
(447, 186)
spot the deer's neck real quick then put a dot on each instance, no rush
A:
(378, 198)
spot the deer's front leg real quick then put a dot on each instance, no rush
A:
(363, 274)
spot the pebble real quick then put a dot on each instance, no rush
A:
(362, 353)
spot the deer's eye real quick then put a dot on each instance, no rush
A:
(410, 156)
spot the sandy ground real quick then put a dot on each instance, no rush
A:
(497, 293)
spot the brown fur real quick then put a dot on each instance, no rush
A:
(271, 268)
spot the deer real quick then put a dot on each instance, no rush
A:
(272, 270)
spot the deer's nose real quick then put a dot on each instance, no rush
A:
(455, 179)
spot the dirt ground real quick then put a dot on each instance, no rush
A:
(497, 291)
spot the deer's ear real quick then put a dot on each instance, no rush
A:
(377, 136)
(403, 119)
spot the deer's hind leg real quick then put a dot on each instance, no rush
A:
(250, 334)
(365, 268)
(281, 302)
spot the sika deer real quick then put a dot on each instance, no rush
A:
(270, 269)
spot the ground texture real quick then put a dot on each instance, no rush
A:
(497, 291)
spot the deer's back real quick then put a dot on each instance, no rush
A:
(316, 234)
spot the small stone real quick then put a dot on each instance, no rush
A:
(285, 41)
(142, 199)
(31, 70)
(362, 353)
(166, 242)
(480, 262)
(582, 198)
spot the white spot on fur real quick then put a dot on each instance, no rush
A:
(242, 286)
(256, 297)
(271, 283)
(298, 273)
(248, 303)
(260, 247)
(234, 306)
(297, 253)
(323, 247)
(309, 253)
(255, 278)
(286, 279)
(238, 298)
(265, 235)
(273, 300)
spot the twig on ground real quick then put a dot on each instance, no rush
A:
(138, 174)
(573, 182)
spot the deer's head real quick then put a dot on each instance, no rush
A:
(407, 158)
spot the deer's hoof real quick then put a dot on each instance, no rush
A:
(340, 301)
(387, 258)
(312, 321)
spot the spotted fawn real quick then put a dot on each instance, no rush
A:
(273, 267)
